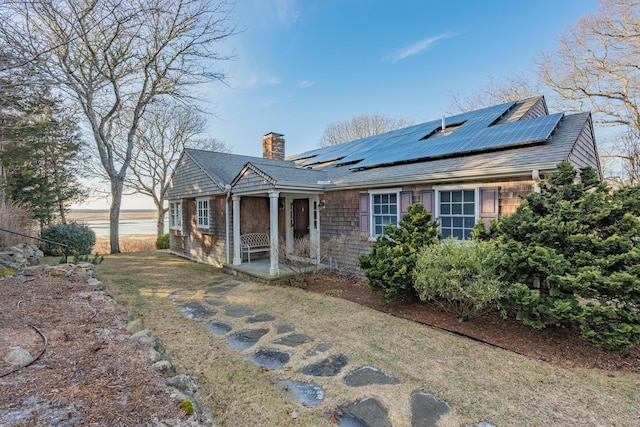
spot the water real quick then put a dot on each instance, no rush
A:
(127, 226)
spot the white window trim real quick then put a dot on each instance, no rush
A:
(397, 190)
(172, 224)
(475, 187)
(198, 225)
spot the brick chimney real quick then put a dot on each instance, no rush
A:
(273, 146)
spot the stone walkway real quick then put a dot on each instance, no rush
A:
(426, 410)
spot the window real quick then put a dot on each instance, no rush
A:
(202, 206)
(384, 210)
(175, 216)
(457, 210)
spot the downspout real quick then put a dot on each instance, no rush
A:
(535, 174)
(227, 188)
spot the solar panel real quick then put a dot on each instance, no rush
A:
(474, 131)
(523, 131)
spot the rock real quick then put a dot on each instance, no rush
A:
(158, 345)
(164, 367)
(18, 356)
(95, 282)
(368, 375)
(183, 382)
(426, 410)
(135, 326)
(154, 356)
(144, 337)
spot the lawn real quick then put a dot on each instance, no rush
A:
(480, 382)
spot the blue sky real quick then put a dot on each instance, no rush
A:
(300, 65)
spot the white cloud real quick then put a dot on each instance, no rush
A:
(253, 82)
(415, 48)
(287, 11)
(307, 83)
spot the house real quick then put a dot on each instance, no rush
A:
(462, 168)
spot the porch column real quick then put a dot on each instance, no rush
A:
(273, 223)
(237, 257)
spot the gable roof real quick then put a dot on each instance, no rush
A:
(509, 139)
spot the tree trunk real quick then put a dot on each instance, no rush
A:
(161, 214)
(117, 185)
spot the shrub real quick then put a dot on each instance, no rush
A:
(162, 242)
(459, 275)
(389, 267)
(79, 238)
(572, 254)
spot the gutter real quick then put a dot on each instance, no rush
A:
(227, 188)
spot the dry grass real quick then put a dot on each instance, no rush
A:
(480, 382)
(128, 243)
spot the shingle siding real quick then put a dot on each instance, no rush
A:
(251, 181)
(584, 152)
(189, 180)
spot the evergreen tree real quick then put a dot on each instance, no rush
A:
(572, 253)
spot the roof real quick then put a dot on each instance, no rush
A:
(503, 140)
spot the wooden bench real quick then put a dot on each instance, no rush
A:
(254, 242)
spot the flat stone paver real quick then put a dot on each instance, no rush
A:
(284, 329)
(368, 375)
(216, 301)
(261, 318)
(293, 340)
(246, 338)
(329, 367)
(319, 348)
(221, 288)
(426, 410)
(238, 311)
(270, 358)
(365, 413)
(309, 394)
(196, 310)
(219, 328)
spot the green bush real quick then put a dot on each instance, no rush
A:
(459, 275)
(162, 242)
(79, 238)
(572, 254)
(389, 267)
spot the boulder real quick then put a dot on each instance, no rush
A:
(18, 356)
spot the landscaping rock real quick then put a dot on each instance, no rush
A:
(18, 356)
(183, 382)
(368, 375)
(329, 367)
(196, 310)
(144, 336)
(246, 338)
(364, 413)
(309, 394)
(135, 326)
(270, 358)
(238, 311)
(261, 318)
(426, 410)
(284, 329)
(164, 367)
(219, 328)
(319, 348)
(293, 340)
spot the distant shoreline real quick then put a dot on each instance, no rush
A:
(103, 214)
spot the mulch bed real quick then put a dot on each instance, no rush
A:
(557, 345)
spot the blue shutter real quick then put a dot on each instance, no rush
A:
(364, 213)
(489, 206)
(428, 200)
(406, 198)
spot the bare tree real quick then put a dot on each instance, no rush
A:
(595, 67)
(164, 132)
(510, 88)
(361, 127)
(114, 58)
(596, 64)
(626, 151)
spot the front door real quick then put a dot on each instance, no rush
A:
(300, 218)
